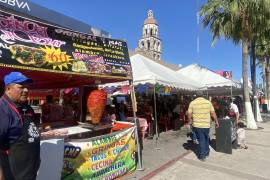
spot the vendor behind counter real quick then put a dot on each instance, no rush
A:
(53, 112)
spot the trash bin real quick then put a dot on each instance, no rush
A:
(177, 124)
(264, 108)
(225, 135)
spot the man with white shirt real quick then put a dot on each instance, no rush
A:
(234, 111)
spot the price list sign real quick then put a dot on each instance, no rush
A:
(33, 45)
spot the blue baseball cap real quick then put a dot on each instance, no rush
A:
(17, 78)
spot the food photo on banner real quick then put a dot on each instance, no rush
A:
(33, 45)
(104, 157)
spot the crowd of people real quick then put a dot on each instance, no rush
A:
(200, 114)
(197, 111)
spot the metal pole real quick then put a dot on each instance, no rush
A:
(231, 92)
(140, 167)
(137, 128)
(156, 121)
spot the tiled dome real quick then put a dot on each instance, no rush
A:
(150, 21)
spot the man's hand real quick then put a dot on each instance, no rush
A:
(217, 123)
(189, 118)
(214, 116)
(189, 122)
(237, 118)
(187, 125)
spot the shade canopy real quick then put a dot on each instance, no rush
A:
(207, 77)
(146, 70)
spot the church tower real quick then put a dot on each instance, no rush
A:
(150, 43)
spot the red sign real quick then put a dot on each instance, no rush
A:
(226, 74)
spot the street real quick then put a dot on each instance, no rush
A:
(252, 163)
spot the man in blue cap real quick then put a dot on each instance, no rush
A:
(19, 135)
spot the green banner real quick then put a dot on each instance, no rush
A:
(105, 157)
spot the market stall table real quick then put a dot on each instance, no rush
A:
(55, 57)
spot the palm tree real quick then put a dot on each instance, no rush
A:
(236, 20)
(259, 32)
(263, 55)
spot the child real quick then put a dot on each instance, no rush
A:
(241, 136)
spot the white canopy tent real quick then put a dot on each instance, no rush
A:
(146, 70)
(213, 82)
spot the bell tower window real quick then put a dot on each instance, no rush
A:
(142, 44)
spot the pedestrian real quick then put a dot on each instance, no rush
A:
(200, 112)
(234, 112)
(19, 135)
(234, 115)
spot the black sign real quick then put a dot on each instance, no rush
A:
(17, 5)
(28, 44)
(34, 10)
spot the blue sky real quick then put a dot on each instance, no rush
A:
(123, 19)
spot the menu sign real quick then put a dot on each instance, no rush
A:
(28, 44)
(104, 157)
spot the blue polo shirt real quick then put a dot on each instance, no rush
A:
(10, 123)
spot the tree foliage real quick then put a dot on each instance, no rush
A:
(236, 19)
(241, 21)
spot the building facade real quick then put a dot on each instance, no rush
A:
(40, 13)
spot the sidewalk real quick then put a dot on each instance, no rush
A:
(169, 146)
(253, 163)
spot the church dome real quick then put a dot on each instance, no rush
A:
(150, 21)
(150, 18)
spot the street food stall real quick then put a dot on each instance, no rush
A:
(59, 58)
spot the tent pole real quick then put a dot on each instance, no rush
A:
(156, 121)
(231, 92)
(137, 127)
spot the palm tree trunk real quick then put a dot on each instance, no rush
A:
(256, 108)
(249, 114)
(253, 77)
(259, 117)
(264, 78)
(267, 71)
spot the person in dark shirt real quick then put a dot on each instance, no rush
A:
(122, 111)
(19, 135)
